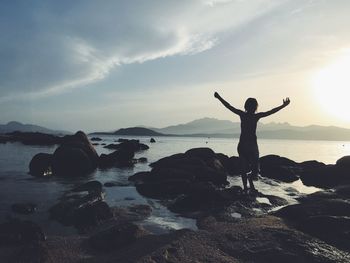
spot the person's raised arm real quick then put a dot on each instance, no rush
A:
(227, 105)
(274, 110)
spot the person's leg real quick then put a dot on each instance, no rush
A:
(255, 168)
(243, 167)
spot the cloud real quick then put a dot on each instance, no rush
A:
(54, 47)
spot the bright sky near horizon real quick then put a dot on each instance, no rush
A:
(102, 65)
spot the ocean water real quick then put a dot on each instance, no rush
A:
(17, 186)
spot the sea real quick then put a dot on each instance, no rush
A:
(17, 186)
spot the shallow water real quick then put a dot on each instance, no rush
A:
(16, 185)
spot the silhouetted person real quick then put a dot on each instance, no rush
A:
(248, 147)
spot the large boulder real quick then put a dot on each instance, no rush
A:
(40, 165)
(324, 214)
(344, 163)
(279, 168)
(174, 175)
(75, 157)
(82, 211)
(328, 176)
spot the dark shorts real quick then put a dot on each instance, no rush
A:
(249, 156)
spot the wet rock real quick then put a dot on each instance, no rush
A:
(116, 237)
(24, 208)
(15, 232)
(279, 168)
(133, 213)
(142, 160)
(112, 184)
(82, 212)
(75, 157)
(268, 239)
(119, 158)
(325, 215)
(152, 140)
(161, 190)
(40, 165)
(96, 139)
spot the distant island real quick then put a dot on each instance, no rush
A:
(15, 126)
(211, 127)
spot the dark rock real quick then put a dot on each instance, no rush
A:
(142, 160)
(15, 232)
(332, 229)
(344, 163)
(75, 157)
(82, 212)
(95, 144)
(152, 140)
(324, 214)
(119, 158)
(112, 184)
(140, 177)
(40, 165)
(33, 138)
(231, 164)
(161, 190)
(96, 139)
(325, 177)
(308, 165)
(112, 146)
(116, 237)
(208, 156)
(131, 145)
(24, 208)
(125, 140)
(279, 168)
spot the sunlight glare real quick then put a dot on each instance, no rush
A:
(332, 88)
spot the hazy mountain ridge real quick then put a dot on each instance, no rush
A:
(13, 126)
(211, 127)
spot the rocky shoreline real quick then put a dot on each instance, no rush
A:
(233, 226)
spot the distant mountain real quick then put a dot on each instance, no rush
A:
(204, 125)
(13, 126)
(210, 127)
(137, 131)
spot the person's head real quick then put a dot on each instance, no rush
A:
(251, 105)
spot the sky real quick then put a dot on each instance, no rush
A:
(103, 65)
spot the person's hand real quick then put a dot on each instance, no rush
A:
(216, 95)
(286, 102)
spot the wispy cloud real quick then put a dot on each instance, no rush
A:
(60, 47)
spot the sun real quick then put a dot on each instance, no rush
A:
(331, 87)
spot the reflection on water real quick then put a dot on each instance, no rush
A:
(17, 186)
